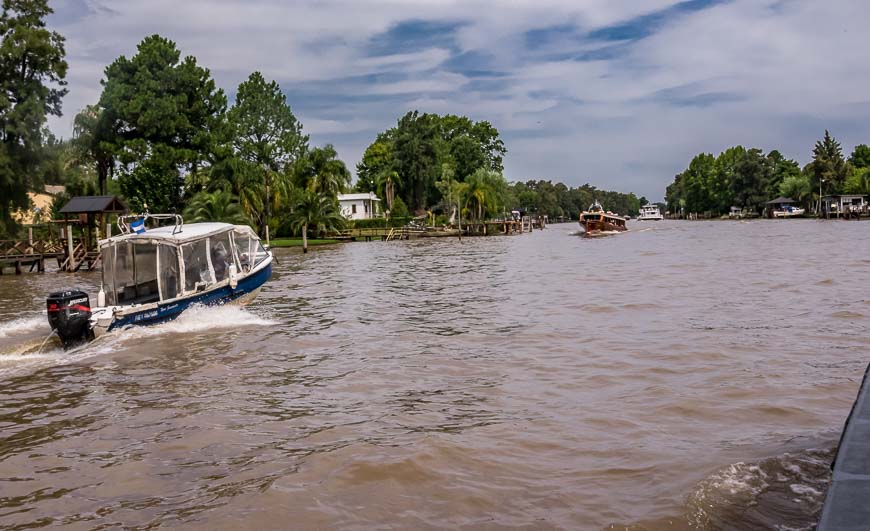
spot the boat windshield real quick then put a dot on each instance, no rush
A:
(137, 272)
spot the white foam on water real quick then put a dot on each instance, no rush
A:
(23, 325)
(33, 355)
(39, 355)
(200, 319)
(804, 490)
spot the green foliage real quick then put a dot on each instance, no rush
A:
(858, 181)
(400, 209)
(322, 172)
(828, 165)
(32, 84)
(860, 157)
(167, 119)
(737, 177)
(267, 141)
(221, 206)
(409, 160)
(91, 144)
(555, 200)
(315, 212)
(796, 187)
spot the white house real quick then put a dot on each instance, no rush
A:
(359, 206)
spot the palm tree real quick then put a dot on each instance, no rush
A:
(315, 211)
(92, 131)
(387, 180)
(216, 206)
(321, 171)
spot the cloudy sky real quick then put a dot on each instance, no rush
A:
(617, 93)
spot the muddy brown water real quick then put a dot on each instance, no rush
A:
(683, 375)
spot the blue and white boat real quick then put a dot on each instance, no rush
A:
(153, 275)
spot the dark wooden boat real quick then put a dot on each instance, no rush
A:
(597, 222)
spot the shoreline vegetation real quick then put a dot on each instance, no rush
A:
(165, 138)
(749, 178)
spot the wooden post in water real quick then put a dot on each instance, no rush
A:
(69, 244)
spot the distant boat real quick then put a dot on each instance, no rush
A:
(650, 213)
(152, 275)
(788, 211)
(597, 222)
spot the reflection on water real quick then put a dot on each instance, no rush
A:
(679, 376)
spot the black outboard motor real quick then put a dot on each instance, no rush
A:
(69, 314)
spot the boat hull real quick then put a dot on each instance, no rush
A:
(243, 293)
(600, 228)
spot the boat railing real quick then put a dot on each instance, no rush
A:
(125, 221)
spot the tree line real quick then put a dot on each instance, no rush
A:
(451, 164)
(748, 178)
(165, 138)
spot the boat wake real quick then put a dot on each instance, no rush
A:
(789, 487)
(33, 348)
(23, 325)
(200, 319)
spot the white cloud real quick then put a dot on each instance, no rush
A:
(762, 72)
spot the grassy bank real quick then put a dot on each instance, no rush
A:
(297, 242)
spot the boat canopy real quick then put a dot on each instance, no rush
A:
(164, 263)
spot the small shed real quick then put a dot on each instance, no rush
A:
(89, 211)
(844, 205)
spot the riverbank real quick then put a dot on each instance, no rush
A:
(297, 242)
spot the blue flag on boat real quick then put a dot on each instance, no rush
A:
(138, 226)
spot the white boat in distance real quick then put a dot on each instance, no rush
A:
(650, 213)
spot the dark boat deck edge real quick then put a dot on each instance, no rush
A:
(847, 506)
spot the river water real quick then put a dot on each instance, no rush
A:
(683, 375)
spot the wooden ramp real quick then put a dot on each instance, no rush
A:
(847, 507)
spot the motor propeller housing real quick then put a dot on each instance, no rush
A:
(69, 314)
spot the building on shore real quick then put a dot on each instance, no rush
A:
(360, 206)
(845, 206)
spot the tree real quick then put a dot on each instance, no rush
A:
(860, 157)
(32, 84)
(92, 143)
(797, 187)
(322, 172)
(311, 210)
(858, 181)
(220, 206)
(268, 138)
(166, 114)
(828, 165)
(416, 148)
(376, 160)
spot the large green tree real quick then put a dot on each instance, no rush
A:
(268, 139)
(411, 157)
(828, 165)
(32, 84)
(167, 118)
(860, 157)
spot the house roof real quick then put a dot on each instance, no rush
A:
(780, 200)
(357, 197)
(87, 204)
(844, 196)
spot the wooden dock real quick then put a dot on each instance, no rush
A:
(32, 254)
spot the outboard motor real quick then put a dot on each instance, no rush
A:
(69, 314)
